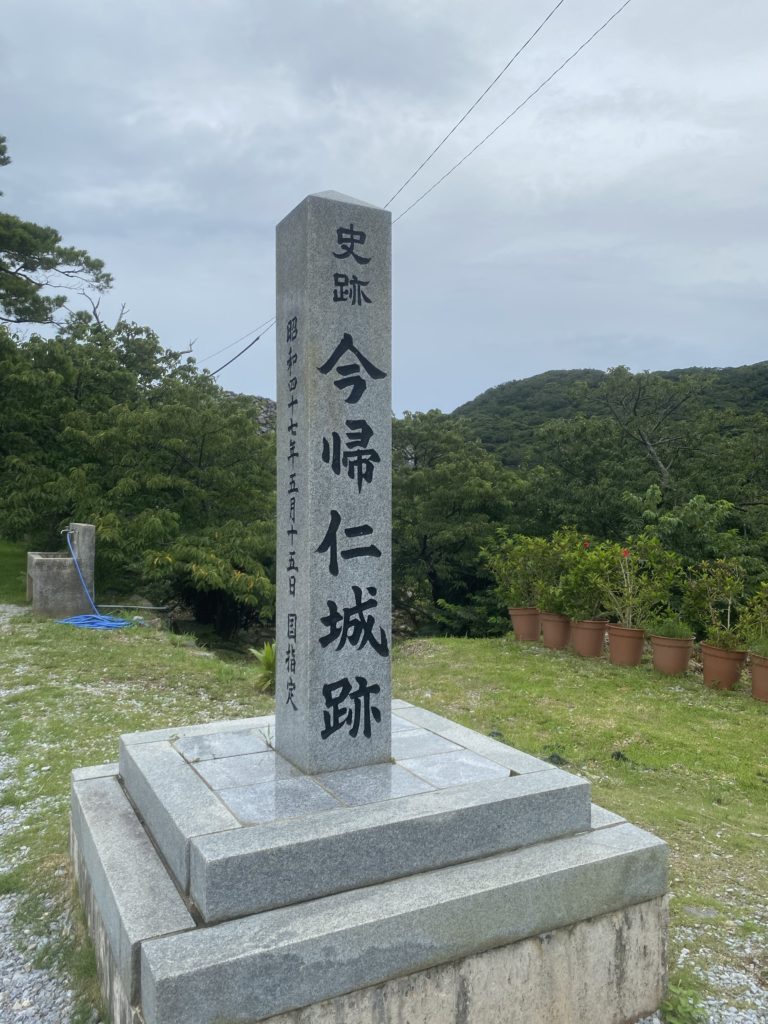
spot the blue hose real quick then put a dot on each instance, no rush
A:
(95, 621)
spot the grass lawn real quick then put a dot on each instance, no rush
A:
(13, 571)
(687, 763)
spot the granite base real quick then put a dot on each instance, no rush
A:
(431, 888)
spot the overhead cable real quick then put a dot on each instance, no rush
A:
(243, 350)
(267, 324)
(482, 95)
(235, 342)
(519, 107)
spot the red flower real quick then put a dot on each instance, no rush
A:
(585, 543)
(625, 552)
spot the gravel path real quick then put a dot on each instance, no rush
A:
(29, 995)
(26, 993)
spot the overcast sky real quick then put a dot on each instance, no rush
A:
(621, 217)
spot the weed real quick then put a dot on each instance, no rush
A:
(682, 1004)
(266, 657)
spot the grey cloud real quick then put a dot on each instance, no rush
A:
(619, 218)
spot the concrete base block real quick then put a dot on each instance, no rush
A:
(609, 970)
(120, 1008)
(53, 584)
(481, 887)
(116, 864)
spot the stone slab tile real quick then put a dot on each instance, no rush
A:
(219, 745)
(270, 963)
(245, 770)
(94, 771)
(399, 724)
(254, 869)
(172, 799)
(415, 742)
(373, 783)
(515, 760)
(230, 725)
(604, 819)
(278, 799)
(132, 888)
(456, 767)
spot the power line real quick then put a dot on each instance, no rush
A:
(235, 342)
(243, 351)
(519, 107)
(270, 323)
(482, 95)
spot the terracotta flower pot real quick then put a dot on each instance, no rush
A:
(625, 645)
(671, 655)
(587, 636)
(721, 668)
(759, 669)
(525, 622)
(555, 630)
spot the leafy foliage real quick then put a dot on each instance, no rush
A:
(713, 594)
(518, 565)
(13, 571)
(753, 621)
(449, 497)
(669, 626)
(267, 661)
(638, 579)
(585, 567)
(33, 261)
(103, 425)
(682, 1004)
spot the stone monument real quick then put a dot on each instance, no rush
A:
(334, 484)
(354, 859)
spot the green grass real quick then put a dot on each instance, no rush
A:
(13, 570)
(66, 695)
(685, 762)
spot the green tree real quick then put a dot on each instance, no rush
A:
(35, 268)
(449, 498)
(585, 465)
(105, 426)
(649, 410)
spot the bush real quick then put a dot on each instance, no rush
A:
(519, 566)
(639, 579)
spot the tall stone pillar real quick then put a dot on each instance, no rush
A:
(334, 505)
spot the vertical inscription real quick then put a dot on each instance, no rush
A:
(292, 496)
(348, 704)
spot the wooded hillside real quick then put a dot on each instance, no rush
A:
(505, 418)
(101, 423)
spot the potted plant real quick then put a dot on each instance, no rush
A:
(555, 624)
(637, 582)
(581, 593)
(753, 629)
(517, 566)
(671, 645)
(714, 590)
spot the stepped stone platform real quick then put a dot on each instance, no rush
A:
(463, 882)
